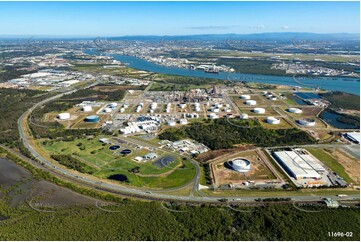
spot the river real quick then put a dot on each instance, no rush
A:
(349, 85)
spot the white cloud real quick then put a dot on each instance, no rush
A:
(261, 26)
(285, 27)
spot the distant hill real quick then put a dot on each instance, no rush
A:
(277, 36)
(260, 36)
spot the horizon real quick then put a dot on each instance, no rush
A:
(183, 35)
(176, 18)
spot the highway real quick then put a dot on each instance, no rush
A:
(95, 183)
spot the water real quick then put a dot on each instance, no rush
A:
(331, 118)
(119, 177)
(307, 95)
(299, 101)
(349, 85)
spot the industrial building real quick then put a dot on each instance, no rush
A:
(299, 164)
(353, 136)
(87, 108)
(150, 156)
(63, 116)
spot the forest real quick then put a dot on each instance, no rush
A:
(342, 100)
(73, 163)
(221, 134)
(13, 103)
(152, 221)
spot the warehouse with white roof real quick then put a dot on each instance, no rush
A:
(298, 165)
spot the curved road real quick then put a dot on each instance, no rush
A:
(128, 190)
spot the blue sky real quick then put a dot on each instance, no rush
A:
(176, 18)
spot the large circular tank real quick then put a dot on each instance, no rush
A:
(87, 108)
(243, 116)
(113, 105)
(294, 110)
(212, 116)
(245, 97)
(309, 122)
(251, 102)
(183, 121)
(259, 110)
(171, 123)
(215, 109)
(273, 120)
(107, 110)
(241, 165)
(92, 119)
(63, 116)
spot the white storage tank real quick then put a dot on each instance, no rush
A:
(171, 123)
(243, 116)
(241, 165)
(182, 105)
(87, 108)
(107, 110)
(215, 109)
(273, 120)
(259, 110)
(153, 105)
(294, 110)
(251, 102)
(113, 105)
(308, 122)
(213, 116)
(63, 116)
(183, 121)
(245, 97)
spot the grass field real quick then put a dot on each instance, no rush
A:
(332, 163)
(107, 163)
(282, 125)
(281, 193)
(269, 111)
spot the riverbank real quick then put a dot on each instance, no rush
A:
(349, 85)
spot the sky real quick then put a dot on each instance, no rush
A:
(176, 18)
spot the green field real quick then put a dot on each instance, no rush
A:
(329, 161)
(107, 163)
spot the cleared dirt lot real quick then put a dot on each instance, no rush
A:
(351, 165)
(225, 175)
